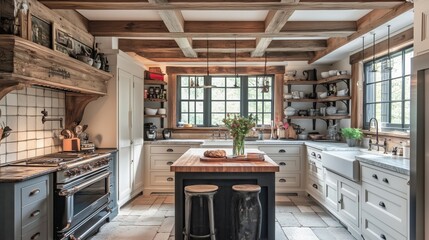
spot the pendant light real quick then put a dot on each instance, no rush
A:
(373, 53)
(207, 77)
(235, 64)
(265, 82)
(389, 59)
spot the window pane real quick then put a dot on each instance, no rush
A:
(407, 87)
(252, 107)
(199, 92)
(252, 81)
(199, 120)
(184, 107)
(217, 119)
(267, 106)
(192, 93)
(408, 57)
(396, 113)
(185, 93)
(184, 117)
(233, 107)
(191, 107)
(199, 107)
(252, 93)
(233, 94)
(397, 89)
(192, 118)
(184, 81)
(218, 93)
(230, 82)
(397, 66)
(407, 112)
(218, 82)
(218, 106)
(266, 119)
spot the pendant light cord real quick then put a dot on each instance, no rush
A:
(208, 58)
(373, 53)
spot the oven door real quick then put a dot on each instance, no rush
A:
(78, 201)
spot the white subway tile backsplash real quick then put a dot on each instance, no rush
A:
(12, 99)
(40, 151)
(21, 111)
(31, 153)
(22, 100)
(40, 91)
(12, 147)
(22, 146)
(31, 100)
(22, 155)
(40, 101)
(11, 157)
(40, 143)
(22, 123)
(11, 111)
(31, 91)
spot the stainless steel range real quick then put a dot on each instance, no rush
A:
(82, 192)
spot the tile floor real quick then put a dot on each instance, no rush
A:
(152, 218)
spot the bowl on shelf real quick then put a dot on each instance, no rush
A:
(322, 94)
(162, 111)
(290, 111)
(331, 110)
(150, 111)
(288, 96)
(342, 92)
(333, 73)
(325, 74)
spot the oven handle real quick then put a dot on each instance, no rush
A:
(73, 190)
(69, 213)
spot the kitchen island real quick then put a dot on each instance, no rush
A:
(190, 170)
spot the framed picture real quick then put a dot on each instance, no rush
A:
(65, 43)
(41, 32)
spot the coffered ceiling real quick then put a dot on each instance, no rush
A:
(176, 31)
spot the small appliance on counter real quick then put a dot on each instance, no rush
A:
(166, 133)
(150, 131)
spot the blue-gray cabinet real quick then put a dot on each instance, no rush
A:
(26, 209)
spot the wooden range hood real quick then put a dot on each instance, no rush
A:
(24, 63)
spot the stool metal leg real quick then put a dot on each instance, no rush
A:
(211, 217)
(188, 208)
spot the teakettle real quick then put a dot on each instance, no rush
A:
(310, 74)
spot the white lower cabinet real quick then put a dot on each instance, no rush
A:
(315, 180)
(342, 199)
(385, 204)
(158, 159)
(290, 178)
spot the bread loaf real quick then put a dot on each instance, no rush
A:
(215, 153)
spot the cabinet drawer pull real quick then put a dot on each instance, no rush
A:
(381, 204)
(385, 180)
(282, 180)
(282, 164)
(170, 150)
(382, 236)
(313, 154)
(170, 179)
(34, 192)
(35, 236)
(315, 186)
(375, 176)
(282, 151)
(319, 156)
(169, 163)
(340, 201)
(35, 213)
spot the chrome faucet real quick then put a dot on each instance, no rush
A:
(384, 145)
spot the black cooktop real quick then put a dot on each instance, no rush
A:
(55, 159)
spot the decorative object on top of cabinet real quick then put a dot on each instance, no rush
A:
(330, 85)
(154, 73)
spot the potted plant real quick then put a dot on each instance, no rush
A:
(352, 135)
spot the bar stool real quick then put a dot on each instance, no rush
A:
(207, 191)
(246, 212)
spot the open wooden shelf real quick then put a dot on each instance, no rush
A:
(154, 82)
(328, 99)
(154, 100)
(331, 117)
(328, 80)
(156, 116)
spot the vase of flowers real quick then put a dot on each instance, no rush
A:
(238, 127)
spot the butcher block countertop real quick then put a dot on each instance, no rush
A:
(190, 162)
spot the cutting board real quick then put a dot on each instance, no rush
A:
(232, 159)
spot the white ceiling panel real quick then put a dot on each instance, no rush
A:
(193, 15)
(121, 15)
(328, 15)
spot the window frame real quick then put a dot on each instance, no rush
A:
(207, 98)
(403, 127)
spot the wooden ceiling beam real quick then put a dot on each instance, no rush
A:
(366, 24)
(221, 5)
(296, 45)
(274, 23)
(220, 29)
(225, 57)
(174, 21)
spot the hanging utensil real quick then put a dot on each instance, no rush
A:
(6, 132)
